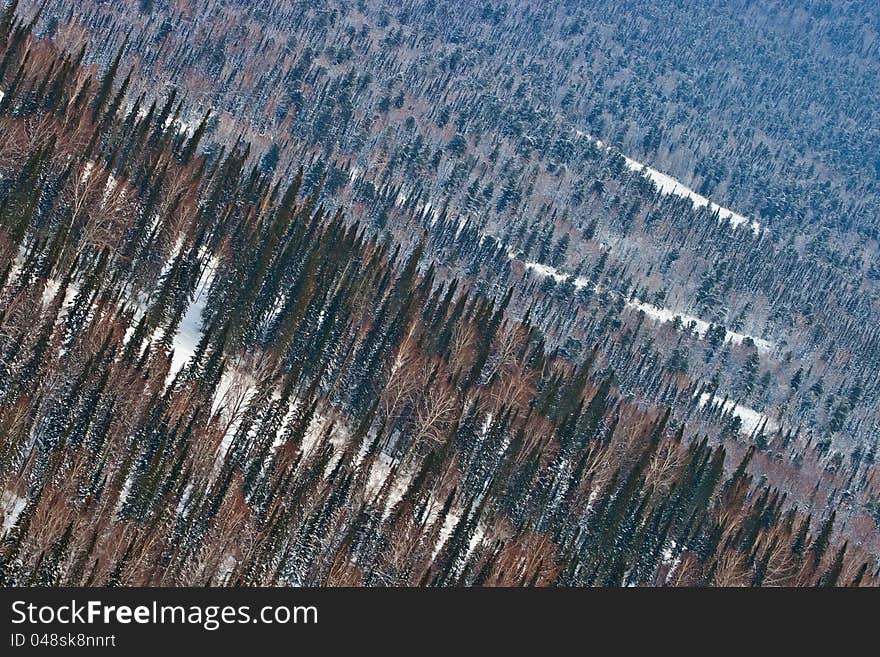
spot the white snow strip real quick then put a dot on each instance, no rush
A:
(187, 337)
(379, 473)
(666, 184)
(699, 326)
(190, 330)
(123, 494)
(750, 418)
(11, 505)
(87, 171)
(660, 314)
(548, 270)
(449, 522)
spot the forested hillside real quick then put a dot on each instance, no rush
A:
(483, 121)
(321, 344)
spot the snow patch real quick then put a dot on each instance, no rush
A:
(11, 505)
(449, 523)
(548, 270)
(666, 184)
(700, 326)
(656, 313)
(190, 330)
(750, 418)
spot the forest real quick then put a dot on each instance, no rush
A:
(324, 329)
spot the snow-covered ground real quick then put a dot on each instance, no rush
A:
(700, 326)
(449, 523)
(750, 418)
(190, 330)
(656, 313)
(669, 185)
(187, 337)
(548, 270)
(379, 473)
(11, 505)
(182, 126)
